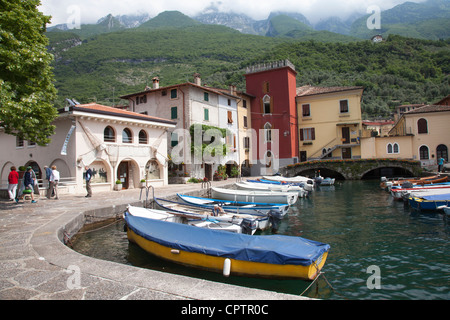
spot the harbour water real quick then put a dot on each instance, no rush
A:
(380, 249)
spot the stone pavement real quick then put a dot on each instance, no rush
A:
(35, 264)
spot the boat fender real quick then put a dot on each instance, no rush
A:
(175, 251)
(227, 267)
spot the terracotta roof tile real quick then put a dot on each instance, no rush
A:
(97, 108)
(429, 108)
(310, 90)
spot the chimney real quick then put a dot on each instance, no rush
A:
(197, 79)
(155, 83)
(233, 90)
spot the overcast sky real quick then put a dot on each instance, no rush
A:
(92, 10)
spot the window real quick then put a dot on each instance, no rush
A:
(267, 105)
(174, 113)
(393, 148)
(424, 153)
(343, 106)
(266, 87)
(229, 102)
(19, 142)
(31, 144)
(230, 117)
(244, 103)
(422, 126)
(246, 143)
(143, 137)
(206, 114)
(307, 134)
(306, 110)
(442, 152)
(126, 136)
(109, 135)
(268, 132)
(174, 140)
(173, 94)
(245, 122)
(206, 96)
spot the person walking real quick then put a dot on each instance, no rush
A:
(28, 183)
(88, 181)
(440, 164)
(13, 181)
(54, 180)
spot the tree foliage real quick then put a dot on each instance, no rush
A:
(27, 92)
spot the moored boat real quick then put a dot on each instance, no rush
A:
(388, 184)
(273, 256)
(399, 193)
(430, 202)
(305, 185)
(260, 220)
(327, 181)
(246, 185)
(198, 220)
(254, 196)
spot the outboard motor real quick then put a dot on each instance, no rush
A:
(275, 217)
(249, 226)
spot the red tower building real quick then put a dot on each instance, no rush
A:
(274, 111)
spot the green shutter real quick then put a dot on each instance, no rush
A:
(174, 113)
(206, 114)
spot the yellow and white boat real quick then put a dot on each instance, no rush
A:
(273, 256)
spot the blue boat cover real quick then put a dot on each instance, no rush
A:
(273, 249)
(437, 197)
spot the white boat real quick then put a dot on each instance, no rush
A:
(297, 179)
(254, 196)
(327, 182)
(245, 185)
(400, 193)
(202, 221)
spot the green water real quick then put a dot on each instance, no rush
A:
(364, 228)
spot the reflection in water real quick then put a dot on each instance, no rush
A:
(363, 226)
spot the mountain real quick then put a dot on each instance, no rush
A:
(281, 25)
(427, 20)
(172, 19)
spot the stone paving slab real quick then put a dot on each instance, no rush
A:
(35, 264)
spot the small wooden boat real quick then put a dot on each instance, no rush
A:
(273, 256)
(430, 202)
(400, 193)
(235, 206)
(327, 182)
(388, 184)
(197, 220)
(246, 185)
(254, 196)
(261, 221)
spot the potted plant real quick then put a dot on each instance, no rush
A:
(143, 183)
(118, 186)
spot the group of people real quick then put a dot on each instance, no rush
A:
(30, 183)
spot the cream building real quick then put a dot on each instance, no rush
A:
(191, 104)
(420, 134)
(116, 144)
(330, 123)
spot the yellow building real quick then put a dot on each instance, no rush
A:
(330, 122)
(420, 134)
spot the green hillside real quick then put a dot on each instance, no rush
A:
(428, 20)
(104, 67)
(169, 19)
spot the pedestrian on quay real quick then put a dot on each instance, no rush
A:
(88, 177)
(440, 164)
(54, 180)
(13, 181)
(28, 183)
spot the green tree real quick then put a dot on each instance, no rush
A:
(26, 79)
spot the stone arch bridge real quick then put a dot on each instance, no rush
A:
(354, 169)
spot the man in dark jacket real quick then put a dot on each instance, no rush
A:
(88, 182)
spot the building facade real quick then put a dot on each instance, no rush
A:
(330, 122)
(196, 109)
(116, 144)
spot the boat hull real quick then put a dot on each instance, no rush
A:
(238, 267)
(253, 196)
